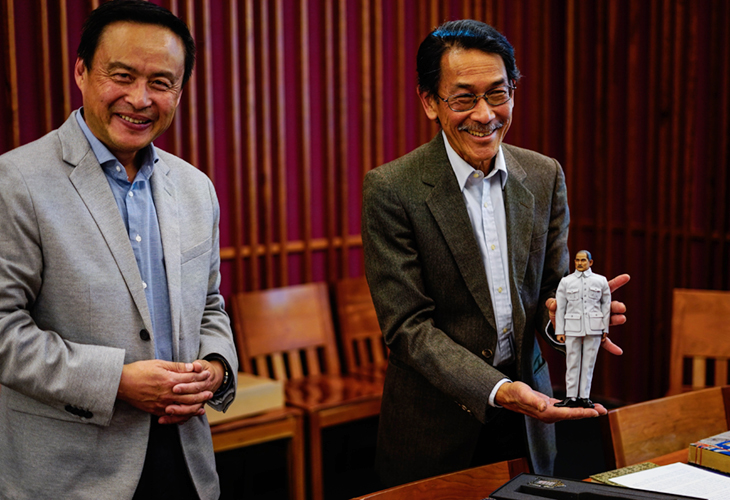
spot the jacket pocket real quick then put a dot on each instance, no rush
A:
(596, 321)
(572, 322)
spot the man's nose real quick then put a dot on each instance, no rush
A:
(139, 95)
(482, 111)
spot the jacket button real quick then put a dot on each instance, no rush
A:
(487, 353)
(144, 334)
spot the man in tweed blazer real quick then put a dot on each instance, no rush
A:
(113, 334)
(459, 320)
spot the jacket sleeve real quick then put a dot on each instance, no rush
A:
(405, 311)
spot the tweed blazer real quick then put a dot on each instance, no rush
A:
(73, 312)
(431, 294)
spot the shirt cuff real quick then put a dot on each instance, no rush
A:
(494, 392)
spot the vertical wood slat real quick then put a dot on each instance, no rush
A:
(312, 358)
(252, 142)
(12, 70)
(721, 371)
(295, 364)
(277, 364)
(191, 139)
(263, 94)
(235, 139)
(306, 163)
(344, 119)
(379, 87)
(262, 366)
(281, 134)
(65, 62)
(46, 68)
(366, 70)
(330, 166)
(176, 127)
(699, 369)
(208, 90)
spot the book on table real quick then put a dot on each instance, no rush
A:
(712, 452)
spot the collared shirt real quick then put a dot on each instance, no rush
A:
(137, 208)
(485, 204)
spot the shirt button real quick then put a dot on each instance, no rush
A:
(144, 285)
(138, 238)
(504, 330)
(499, 289)
(119, 169)
(131, 194)
(493, 247)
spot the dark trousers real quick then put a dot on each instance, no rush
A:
(165, 473)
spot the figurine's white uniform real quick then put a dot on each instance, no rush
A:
(584, 310)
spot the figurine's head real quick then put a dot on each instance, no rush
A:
(583, 260)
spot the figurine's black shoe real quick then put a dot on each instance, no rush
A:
(586, 403)
(569, 403)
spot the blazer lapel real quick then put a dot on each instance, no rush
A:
(519, 207)
(163, 192)
(446, 204)
(90, 182)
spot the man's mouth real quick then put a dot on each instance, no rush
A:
(477, 131)
(133, 120)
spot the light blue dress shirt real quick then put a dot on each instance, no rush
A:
(483, 196)
(137, 208)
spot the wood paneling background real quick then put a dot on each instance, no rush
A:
(292, 101)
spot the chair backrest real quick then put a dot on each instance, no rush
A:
(286, 333)
(471, 484)
(639, 432)
(362, 341)
(700, 332)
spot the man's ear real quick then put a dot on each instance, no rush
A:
(80, 74)
(430, 106)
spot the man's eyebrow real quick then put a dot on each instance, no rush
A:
(120, 65)
(470, 86)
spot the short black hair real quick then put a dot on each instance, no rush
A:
(135, 11)
(463, 34)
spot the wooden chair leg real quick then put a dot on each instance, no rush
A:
(296, 450)
(315, 457)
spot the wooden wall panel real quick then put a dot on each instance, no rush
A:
(293, 101)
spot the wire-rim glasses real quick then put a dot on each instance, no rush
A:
(468, 101)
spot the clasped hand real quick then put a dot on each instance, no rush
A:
(175, 392)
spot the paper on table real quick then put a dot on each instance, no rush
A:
(680, 479)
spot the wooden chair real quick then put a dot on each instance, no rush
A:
(364, 351)
(285, 423)
(287, 334)
(471, 484)
(642, 431)
(700, 331)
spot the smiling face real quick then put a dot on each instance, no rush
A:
(133, 87)
(476, 134)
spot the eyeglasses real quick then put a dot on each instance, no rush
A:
(465, 102)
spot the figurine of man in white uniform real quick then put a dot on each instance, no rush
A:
(581, 321)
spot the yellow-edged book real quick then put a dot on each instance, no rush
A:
(712, 452)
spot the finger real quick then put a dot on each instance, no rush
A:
(185, 410)
(617, 319)
(551, 304)
(192, 387)
(611, 347)
(617, 307)
(618, 282)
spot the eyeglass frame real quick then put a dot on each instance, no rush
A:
(484, 96)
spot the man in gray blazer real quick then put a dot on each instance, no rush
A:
(465, 241)
(113, 333)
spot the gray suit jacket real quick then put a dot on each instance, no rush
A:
(430, 290)
(72, 309)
